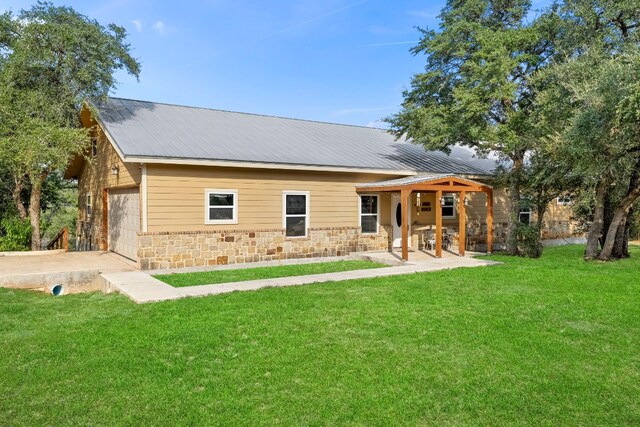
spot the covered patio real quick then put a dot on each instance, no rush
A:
(440, 185)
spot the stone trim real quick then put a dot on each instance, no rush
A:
(230, 230)
(162, 250)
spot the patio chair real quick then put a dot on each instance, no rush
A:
(429, 240)
(447, 240)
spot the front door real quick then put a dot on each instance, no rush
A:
(396, 221)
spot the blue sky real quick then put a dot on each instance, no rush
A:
(343, 61)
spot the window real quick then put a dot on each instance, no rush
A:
(221, 207)
(94, 147)
(564, 200)
(88, 206)
(525, 216)
(295, 218)
(448, 207)
(369, 213)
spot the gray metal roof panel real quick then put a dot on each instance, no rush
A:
(412, 180)
(403, 181)
(147, 129)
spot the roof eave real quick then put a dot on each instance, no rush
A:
(262, 165)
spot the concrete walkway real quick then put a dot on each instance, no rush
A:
(143, 288)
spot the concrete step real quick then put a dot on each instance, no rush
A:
(140, 287)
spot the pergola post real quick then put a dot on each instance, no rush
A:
(438, 224)
(489, 193)
(437, 185)
(404, 202)
(462, 224)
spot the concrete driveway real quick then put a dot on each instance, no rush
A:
(45, 262)
(77, 270)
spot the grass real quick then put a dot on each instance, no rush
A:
(239, 275)
(553, 341)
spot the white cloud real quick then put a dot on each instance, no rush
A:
(160, 27)
(138, 24)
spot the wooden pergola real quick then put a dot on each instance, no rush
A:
(437, 184)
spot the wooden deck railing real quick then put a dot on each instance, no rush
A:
(61, 241)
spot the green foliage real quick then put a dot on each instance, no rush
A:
(550, 341)
(476, 87)
(599, 138)
(589, 108)
(60, 209)
(634, 225)
(529, 241)
(7, 206)
(15, 234)
(64, 54)
(52, 60)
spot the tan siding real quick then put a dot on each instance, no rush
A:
(385, 208)
(95, 175)
(556, 212)
(176, 196)
(477, 210)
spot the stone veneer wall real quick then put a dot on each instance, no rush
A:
(198, 248)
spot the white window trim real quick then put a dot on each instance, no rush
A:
(377, 214)
(307, 209)
(561, 202)
(454, 208)
(208, 191)
(524, 211)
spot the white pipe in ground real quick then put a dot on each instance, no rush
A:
(57, 289)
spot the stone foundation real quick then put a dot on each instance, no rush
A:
(199, 248)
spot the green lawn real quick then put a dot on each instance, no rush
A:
(239, 275)
(553, 341)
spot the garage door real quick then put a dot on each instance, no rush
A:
(124, 221)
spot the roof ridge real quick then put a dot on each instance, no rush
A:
(248, 114)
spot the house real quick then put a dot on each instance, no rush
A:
(171, 186)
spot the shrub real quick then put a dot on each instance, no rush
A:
(15, 234)
(634, 225)
(529, 241)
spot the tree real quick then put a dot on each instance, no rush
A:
(591, 94)
(546, 178)
(476, 88)
(52, 59)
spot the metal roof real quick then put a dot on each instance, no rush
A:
(142, 129)
(416, 179)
